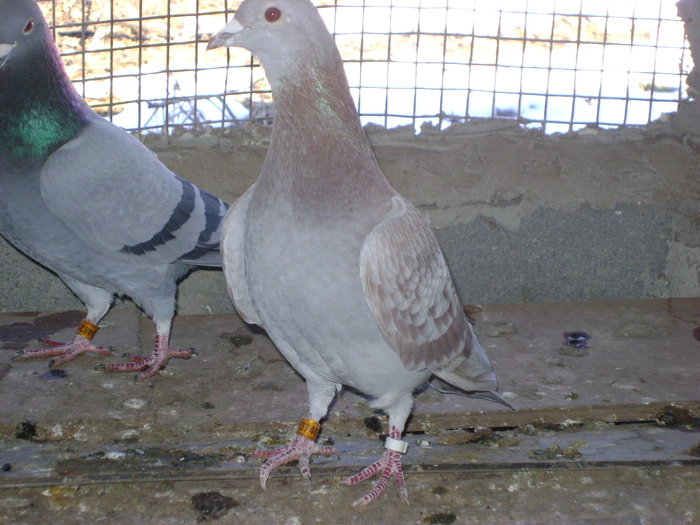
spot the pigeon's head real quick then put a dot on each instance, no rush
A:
(22, 27)
(279, 32)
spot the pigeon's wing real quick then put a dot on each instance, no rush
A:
(409, 290)
(114, 193)
(233, 257)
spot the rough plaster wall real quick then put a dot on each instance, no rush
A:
(521, 216)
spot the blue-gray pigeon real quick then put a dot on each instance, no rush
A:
(344, 274)
(89, 201)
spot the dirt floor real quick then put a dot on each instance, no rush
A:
(604, 434)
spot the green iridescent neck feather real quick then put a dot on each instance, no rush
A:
(39, 108)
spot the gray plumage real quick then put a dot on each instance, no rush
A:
(344, 274)
(86, 199)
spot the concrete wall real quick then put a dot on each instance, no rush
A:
(521, 216)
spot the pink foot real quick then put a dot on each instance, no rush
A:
(300, 448)
(148, 365)
(64, 352)
(389, 465)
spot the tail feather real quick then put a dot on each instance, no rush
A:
(490, 395)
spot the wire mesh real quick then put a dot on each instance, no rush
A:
(554, 64)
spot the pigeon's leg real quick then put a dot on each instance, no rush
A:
(303, 445)
(150, 365)
(98, 302)
(390, 463)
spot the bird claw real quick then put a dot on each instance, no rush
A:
(147, 365)
(301, 449)
(389, 465)
(62, 352)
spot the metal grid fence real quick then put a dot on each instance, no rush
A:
(555, 64)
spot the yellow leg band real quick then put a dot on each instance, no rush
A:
(87, 329)
(308, 428)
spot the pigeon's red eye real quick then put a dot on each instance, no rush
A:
(28, 28)
(273, 14)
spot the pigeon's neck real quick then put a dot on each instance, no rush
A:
(316, 126)
(39, 108)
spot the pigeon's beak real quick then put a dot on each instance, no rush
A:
(226, 35)
(5, 50)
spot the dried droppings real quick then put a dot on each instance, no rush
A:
(576, 339)
(694, 450)
(573, 351)
(240, 337)
(441, 518)
(54, 374)
(373, 423)
(672, 416)
(555, 453)
(25, 430)
(212, 505)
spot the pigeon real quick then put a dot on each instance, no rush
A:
(88, 201)
(343, 273)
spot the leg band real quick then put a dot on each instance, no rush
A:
(308, 428)
(87, 329)
(396, 445)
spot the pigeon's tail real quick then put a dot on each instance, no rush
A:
(490, 395)
(471, 375)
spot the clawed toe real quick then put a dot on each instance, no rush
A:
(301, 449)
(389, 465)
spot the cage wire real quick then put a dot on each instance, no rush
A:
(559, 65)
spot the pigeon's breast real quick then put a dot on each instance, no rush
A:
(304, 281)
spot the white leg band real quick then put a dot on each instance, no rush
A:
(396, 445)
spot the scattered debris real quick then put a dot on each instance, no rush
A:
(552, 380)
(573, 351)
(53, 374)
(188, 457)
(373, 423)
(273, 386)
(135, 403)
(212, 505)
(441, 518)
(555, 452)
(25, 430)
(271, 440)
(555, 361)
(576, 339)
(240, 337)
(4, 370)
(694, 451)
(498, 329)
(636, 331)
(672, 416)
(696, 333)
(470, 310)
(128, 435)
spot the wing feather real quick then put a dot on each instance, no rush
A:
(409, 290)
(113, 193)
(233, 257)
